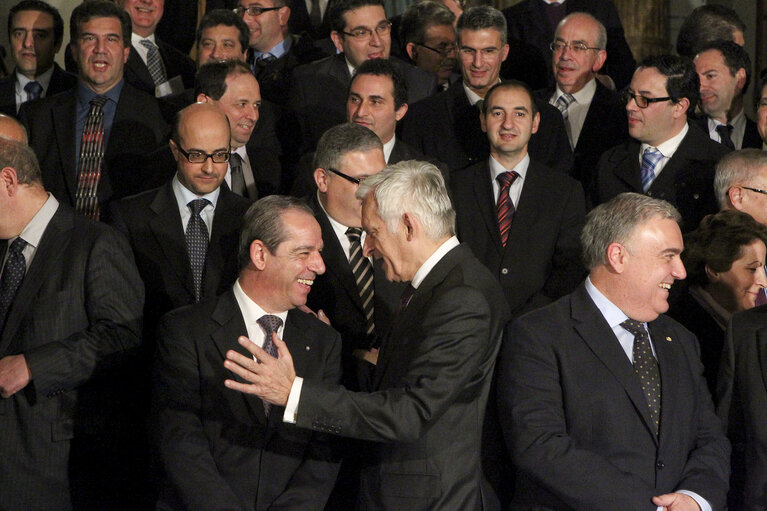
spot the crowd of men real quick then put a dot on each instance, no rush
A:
(346, 261)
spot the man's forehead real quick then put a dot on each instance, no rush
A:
(40, 20)
(218, 30)
(375, 85)
(372, 13)
(483, 33)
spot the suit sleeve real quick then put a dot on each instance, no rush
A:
(456, 339)
(113, 302)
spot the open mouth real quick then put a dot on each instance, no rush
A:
(306, 282)
(665, 285)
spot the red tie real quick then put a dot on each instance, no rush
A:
(505, 207)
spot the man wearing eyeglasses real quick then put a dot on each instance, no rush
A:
(592, 113)
(360, 31)
(667, 158)
(427, 33)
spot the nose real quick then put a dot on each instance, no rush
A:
(367, 247)
(251, 112)
(316, 264)
(761, 278)
(29, 39)
(678, 271)
(375, 39)
(477, 60)
(207, 165)
(631, 105)
(361, 109)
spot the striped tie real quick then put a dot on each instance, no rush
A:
(563, 103)
(91, 160)
(505, 208)
(363, 276)
(650, 159)
(154, 62)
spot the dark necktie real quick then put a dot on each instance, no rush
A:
(197, 243)
(725, 134)
(505, 207)
(238, 179)
(154, 62)
(404, 300)
(13, 274)
(271, 324)
(91, 160)
(650, 159)
(555, 13)
(33, 90)
(646, 367)
(363, 276)
(315, 15)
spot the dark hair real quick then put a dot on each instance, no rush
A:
(681, 77)
(22, 159)
(383, 67)
(417, 19)
(735, 57)
(211, 77)
(718, 242)
(707, 23)
(338, 9)
(40, 6)
(511, 84)
(482, 17)
(263, 221)
(99, 9)
(227, 18)
(341, 139)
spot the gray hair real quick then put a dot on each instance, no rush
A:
(482, 17)
(263, 221)
(615, 221)
(339, 140)
(413, 187)
(22, 159)
(601, 41)
(737, 167)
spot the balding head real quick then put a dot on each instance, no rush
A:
(11, 129)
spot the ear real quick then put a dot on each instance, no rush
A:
(482, 121)
(174, 149)
(536, 122)
(681, 107)
(504, 52)
(73, 51)
(258, 254)
(740, 76)
(283, 15)
(411, 226)
(126, 52)
(400, 112)
(713, 276)
(735, 194)
(321, 178)
(412, 51)
(9, 181)
(338, 41)
(600, 61)
(616, 257)
(203, 98)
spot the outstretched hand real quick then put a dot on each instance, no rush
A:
(270, 378)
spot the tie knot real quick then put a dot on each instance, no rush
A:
(17, 246)
(33, 89)
(354, 234)
(149, 45)
(197, 205)
(724, 128)
(634, 327)
(507, 178)
(564, 101)
(98, 101)
(270, 323)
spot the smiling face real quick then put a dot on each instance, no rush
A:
(266, 29)
(221, 42)
(371, 104)
(737, 288)
(718, 87)
(481, 54)
(32, 42)
(201, 129)
(144, 15)
(573, 70)
(442, 62)
(509, 122)
(100, 53)
(356, 50)
(240, 103)
(661, 120)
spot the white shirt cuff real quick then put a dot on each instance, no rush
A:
(703, 503)
(291, 409)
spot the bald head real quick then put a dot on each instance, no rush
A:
(198, 116)
(11, 129)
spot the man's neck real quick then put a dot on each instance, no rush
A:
(509, 160)
(736, 107)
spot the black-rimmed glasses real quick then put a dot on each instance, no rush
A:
(444, 49)
(757, 190)
(363, 34)
(341, 174)
(642, 101)
(254, 11)
(196, 156)
(558, 46)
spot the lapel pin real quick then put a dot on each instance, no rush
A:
(309, 347)
(668, 339)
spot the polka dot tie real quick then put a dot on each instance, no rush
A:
(646, 367)
(13, 274)
(271, 324)
(197, 243)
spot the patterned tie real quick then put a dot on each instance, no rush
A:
(33, 90)
(363, 275)
(563, 103)
(238, 179)
(91, 160)
(650, 159)
(505, 208)
(725, 134)
(154, 62)
(197, 243)
(271, 324)
(13, 273)
(646, 367)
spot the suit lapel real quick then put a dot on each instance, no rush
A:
(137, 66)
(528, 208)
(761, 345)
(64, 114)
(626, 168)
(483, 195)
(225, 220)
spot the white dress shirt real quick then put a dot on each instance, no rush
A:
(43, 79)
(184, 196)
(667, 149)
(577, 111)
(33, 232)
(247, 171)
(738, 124)
(515, 190)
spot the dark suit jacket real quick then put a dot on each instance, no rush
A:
(299, 21)
(751, 136)
(176, 64)
(75, 317)
(741, 401)
(445, 126)
(605, 126)
(687, 180)
(319, 90)
(577, 422)
(431, 386)
(527, 21)
(218, 448)
(542, 258)
(137, 129)
(60, 81)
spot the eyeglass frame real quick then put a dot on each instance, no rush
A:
(757, 190)
(240, 11)
(207, 155)
(366, 33)
(627, 95)
(444, 53)
(351, 179)
(580, 48)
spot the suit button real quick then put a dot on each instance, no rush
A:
(504, 271)
(660, 465)
(696, 196)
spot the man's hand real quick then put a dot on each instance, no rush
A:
(320, 314)
(270, 378)
(14, 375)
(676, 502)
(370, 355)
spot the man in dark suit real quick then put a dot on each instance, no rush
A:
(433, 372)
(602, 399)
(667, 157)
(724, 70)
(132, 123)
(35, 31)
(594, 115)
(534, 22)
(153, 66)
(360, 32)
(70, 313)
(446, 126)
(223, 450)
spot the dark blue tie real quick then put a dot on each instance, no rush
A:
(33, 90)
(13, 274)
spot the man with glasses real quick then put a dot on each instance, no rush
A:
(360, 31)
(667, 158)
(593, 114)
(427, 33)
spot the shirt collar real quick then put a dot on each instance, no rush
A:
(85, 95)
(472, 96)
(669, 147)
(184, 195)
(251, 311)
(388, 147)
(136, 39)
(612, 314)
(34, 230)
(277, 51)
(496, 169)
(44, 79)
(432, 261)
(583, 96)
